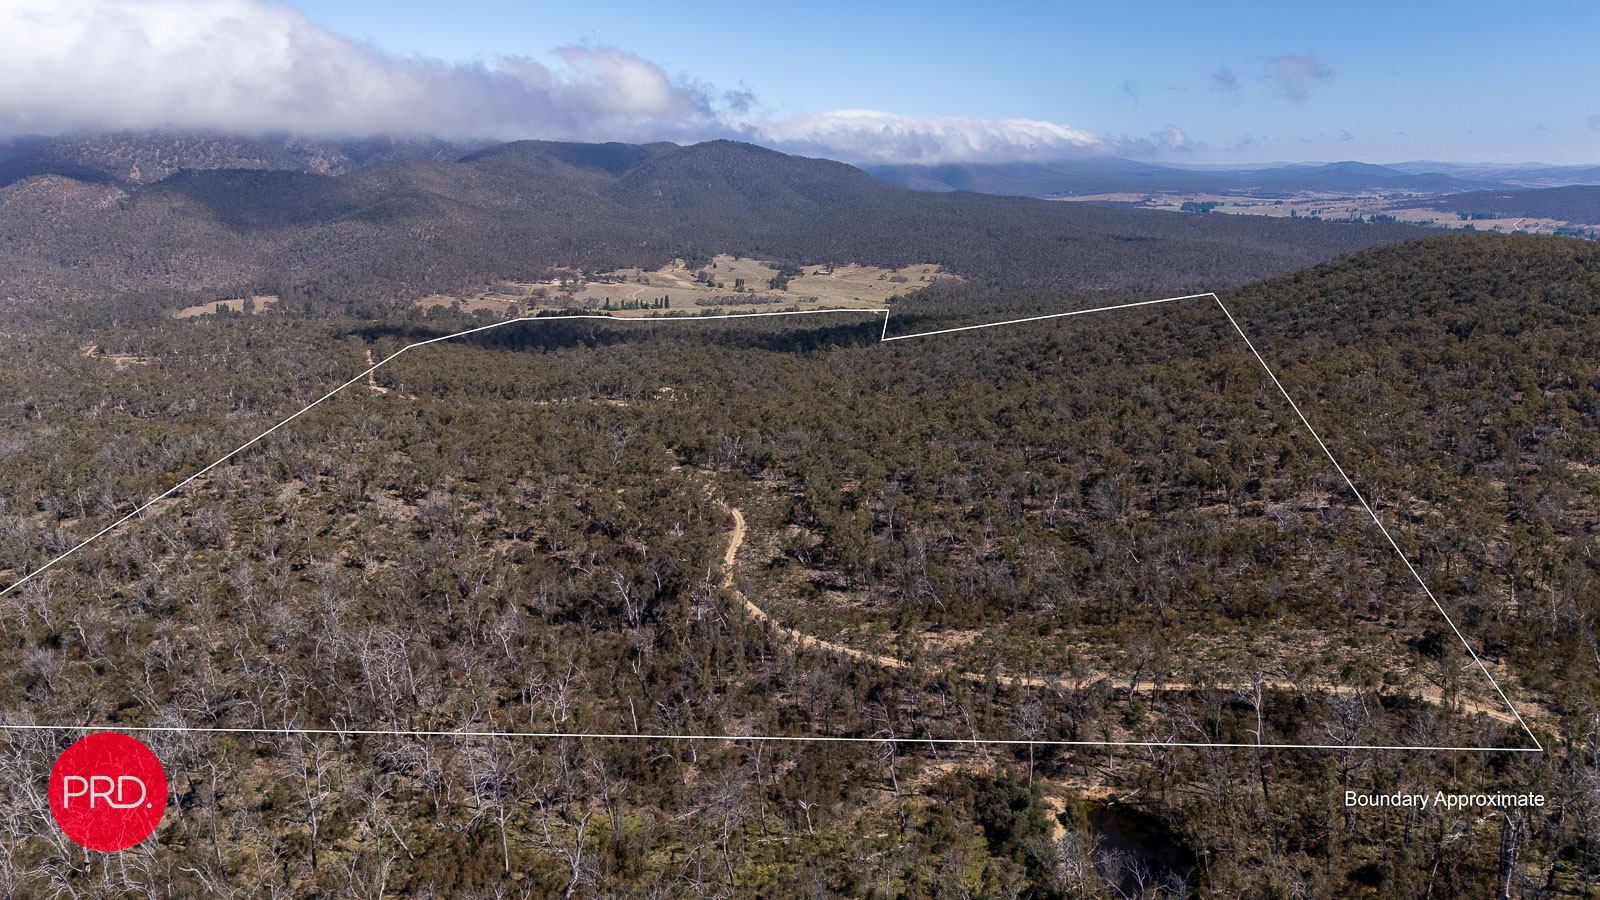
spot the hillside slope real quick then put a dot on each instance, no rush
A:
(148, 157)
(1572, 203)
(414, 224)
(524, 532)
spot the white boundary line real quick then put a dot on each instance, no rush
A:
(883, 338)
(733, 738)
(373, 368)
(1076, 312)
(1378, 522)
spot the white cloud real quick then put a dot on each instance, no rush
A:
(1296, 73)
(870, 136)
(254, 67)
(1167, 140)
(251, 66)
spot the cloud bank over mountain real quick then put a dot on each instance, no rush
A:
(252, 67)
(865, 135)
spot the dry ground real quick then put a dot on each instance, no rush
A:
(237, 305)
(820, 287)
(961, 651)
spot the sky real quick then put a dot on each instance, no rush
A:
(886, 82)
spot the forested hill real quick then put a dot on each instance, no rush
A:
(148, 157)
(524, 528)
(1416, 294)
(289, 221)
(1572, 203)
(1458, 378)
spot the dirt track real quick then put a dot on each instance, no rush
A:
(736, 539)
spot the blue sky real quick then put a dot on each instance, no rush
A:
(869, 82)
(1463, 80)
(1389, 80)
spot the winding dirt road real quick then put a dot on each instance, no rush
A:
(736, 537)
(372, 383)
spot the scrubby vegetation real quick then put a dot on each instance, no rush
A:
(525, 531)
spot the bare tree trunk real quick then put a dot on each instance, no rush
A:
(1510, 845)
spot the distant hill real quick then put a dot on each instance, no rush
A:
(716, 172)
(1528, 175)
(1351, 177)
(1054, 179)
(145, 158)
(1575, 203)
(1076, 178)
(353, 224)
(609, 159)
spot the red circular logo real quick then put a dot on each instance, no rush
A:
(108, 791)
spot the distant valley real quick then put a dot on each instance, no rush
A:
(333, 227)
(1508, 199)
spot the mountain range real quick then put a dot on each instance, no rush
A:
(340, 223)
(1093, 176)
